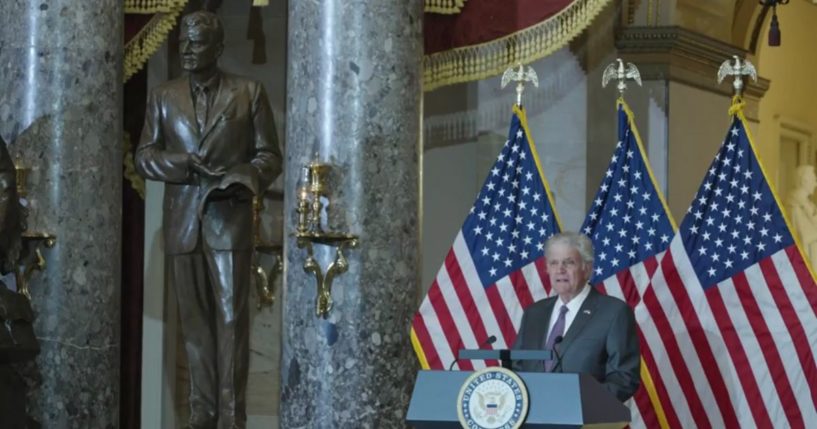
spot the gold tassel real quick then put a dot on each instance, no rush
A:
(480, 61)
(153, 6)
(444, 7)
(139, 49)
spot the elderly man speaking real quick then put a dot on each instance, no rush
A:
(592, 333)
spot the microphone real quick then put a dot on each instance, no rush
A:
(555, 351)
(488, 341)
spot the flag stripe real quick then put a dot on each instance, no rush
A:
(622, 285)
(665, 367)
(654, 406)
(534, 282)
(460, 320)
(436, 334)
(715, 391)
(654, 300)
(790, 338)
(651, 418)
(747, 296)
(447, 325)
(520, 286)
(478, 293)
(754, 402)
(507, 329)
(806, 282)
(426, 346)
(466, 301)
(799, 301)
(509, 300)
(541, 268)
(626, 285)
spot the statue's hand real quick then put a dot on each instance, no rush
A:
(235, 191)
(198, 166)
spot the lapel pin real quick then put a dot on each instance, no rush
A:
(586, 311)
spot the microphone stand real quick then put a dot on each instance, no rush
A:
(488, 341)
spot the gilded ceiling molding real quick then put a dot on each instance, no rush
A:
(446, 7)
(479, 61)
(145, 43)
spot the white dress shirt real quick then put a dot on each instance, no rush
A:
(572, 310)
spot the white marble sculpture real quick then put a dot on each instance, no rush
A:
(803, 211)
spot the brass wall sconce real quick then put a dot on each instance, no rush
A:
(264, 282)
(31, 259)
(312, 190)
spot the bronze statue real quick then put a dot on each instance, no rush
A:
(210, 137)
(17, 340)
(12, 221)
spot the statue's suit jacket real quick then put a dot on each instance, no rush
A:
(239, 136)
(601, 341)
(12, 217)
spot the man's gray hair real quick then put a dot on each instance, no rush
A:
(580, 242)
(205, 19)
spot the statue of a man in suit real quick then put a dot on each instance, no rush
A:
(803, 211)
(12, 220)
(210, 137)
(591, 332)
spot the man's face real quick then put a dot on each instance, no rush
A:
(567, 270)
(199, 48)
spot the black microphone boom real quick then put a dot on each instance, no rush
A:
(488, 341)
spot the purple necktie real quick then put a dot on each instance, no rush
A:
(557, 331)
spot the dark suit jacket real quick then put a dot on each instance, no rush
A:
(239, 136)
(601, 341)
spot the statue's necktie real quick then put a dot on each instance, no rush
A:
(201, 107)
(557, 331)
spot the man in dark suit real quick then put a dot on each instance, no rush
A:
(592, 333)
(210, 137)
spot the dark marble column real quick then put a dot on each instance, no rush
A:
(354, 99)
(61, 109)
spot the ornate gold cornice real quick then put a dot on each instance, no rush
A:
(140, 48)
(680, 55)
(487, 59)
(445, 7)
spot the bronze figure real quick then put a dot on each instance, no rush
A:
(17, 340)
(12, 221)
(210, 137)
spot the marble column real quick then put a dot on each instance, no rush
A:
(354, 101)
(61, 110)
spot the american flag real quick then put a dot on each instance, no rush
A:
(496, 267)
(735, 306)
(630, 227)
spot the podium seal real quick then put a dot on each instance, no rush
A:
(493, 398)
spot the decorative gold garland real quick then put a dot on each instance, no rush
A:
(525, 46)
(444, 7)
(139, 49)
(152, 6)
